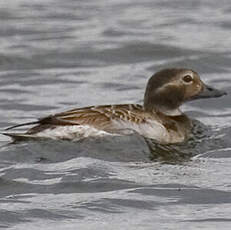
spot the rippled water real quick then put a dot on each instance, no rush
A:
(57, 55)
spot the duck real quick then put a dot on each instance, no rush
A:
(159, 118)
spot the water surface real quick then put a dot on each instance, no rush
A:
(57, 55)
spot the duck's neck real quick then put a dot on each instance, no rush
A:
(165, 100)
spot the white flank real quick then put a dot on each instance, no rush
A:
(73, 132)
(150, 129)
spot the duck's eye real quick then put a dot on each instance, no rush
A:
(187, 79)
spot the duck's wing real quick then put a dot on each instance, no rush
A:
(96, 116)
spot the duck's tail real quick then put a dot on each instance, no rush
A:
(23, 124)
(21, 136)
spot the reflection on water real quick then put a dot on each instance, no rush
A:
(57, 55)
(203, 140)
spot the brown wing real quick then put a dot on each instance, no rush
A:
(96, 116)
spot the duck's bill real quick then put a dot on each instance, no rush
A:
(209, 92)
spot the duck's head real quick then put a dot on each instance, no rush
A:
(169, 88)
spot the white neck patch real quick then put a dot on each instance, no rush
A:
(173, 112)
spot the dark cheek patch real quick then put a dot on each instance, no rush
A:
(171, 97)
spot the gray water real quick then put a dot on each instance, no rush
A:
(57, 55)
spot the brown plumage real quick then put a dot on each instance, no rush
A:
(97, 116)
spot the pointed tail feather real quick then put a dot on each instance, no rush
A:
(20, 136)
(24, 124)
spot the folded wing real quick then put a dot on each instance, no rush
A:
(97, 116)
